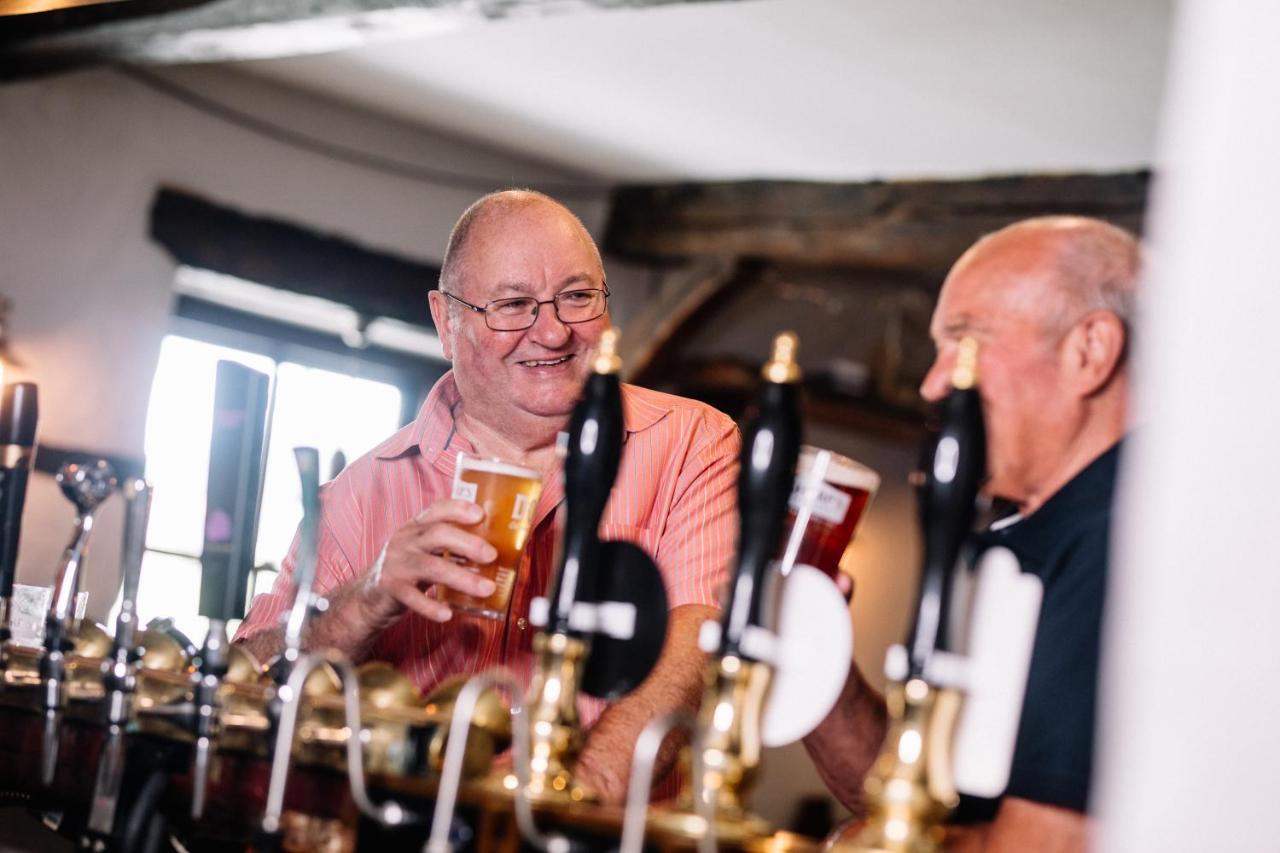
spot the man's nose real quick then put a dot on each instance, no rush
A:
(547, 328)
(937, 382)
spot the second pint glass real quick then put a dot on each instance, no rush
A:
(508, 494)
(828, 500)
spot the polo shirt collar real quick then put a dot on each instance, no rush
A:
(1088, 492)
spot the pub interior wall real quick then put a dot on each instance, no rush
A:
(81, 156)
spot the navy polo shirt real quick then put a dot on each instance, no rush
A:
(1065, 543)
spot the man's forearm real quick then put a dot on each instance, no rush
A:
(346, 626)
(846, 743)
(676, 682)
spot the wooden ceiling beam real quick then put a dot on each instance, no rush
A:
(919, 225)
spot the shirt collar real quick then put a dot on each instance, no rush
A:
(432, 432)
(1088, 492)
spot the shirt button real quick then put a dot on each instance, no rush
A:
(522, 623)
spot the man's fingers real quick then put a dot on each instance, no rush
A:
(428, 569)
(454, 512)
(424, 605)
(440, 537)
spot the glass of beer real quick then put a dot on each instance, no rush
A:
(508, 494)
(830, 496)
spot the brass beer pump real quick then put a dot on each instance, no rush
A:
(560, 648)
(591, 638)
(910, 789)
(728, 725)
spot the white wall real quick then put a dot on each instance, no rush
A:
(1188, 748)
(81, 157)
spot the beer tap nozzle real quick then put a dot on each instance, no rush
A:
(119, 670)
(86, 486)
(306, 601)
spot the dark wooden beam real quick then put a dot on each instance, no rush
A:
(267, 251)
(920, 225)
(163, 31)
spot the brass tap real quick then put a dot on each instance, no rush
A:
(909, 790)
(729, 720)
(555, 732)
(607, 360)
(965, 374)
(782, 367)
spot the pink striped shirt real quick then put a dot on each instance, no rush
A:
(674, 496)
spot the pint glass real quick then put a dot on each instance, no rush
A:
(508, 494)
(828, 500)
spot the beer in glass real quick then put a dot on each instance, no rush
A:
(828, 500)
(508, 494)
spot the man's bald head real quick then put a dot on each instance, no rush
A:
(1050, 303)
(1069, 265)
(489, 211)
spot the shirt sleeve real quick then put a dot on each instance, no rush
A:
(332, 570)
(698, 540)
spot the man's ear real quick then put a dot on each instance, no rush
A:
(1094, 351)
(439, 305)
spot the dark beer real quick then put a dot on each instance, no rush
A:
(828, 500)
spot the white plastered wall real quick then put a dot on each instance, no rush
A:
(81, 157)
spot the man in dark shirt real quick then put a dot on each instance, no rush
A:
(1050, 302)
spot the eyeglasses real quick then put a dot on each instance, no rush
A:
(521, 312)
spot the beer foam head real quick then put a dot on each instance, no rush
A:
(467, 462)
(841, 470)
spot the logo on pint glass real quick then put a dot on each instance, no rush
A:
(521, 512)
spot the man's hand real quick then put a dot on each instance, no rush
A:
(414, 560)
(411, 563)
(676, 682)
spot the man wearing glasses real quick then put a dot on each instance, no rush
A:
(521, 306)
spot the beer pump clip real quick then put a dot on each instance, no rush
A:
(916, 779)
(19, 413)
(86, 486)
(295, 667)
(743, 646)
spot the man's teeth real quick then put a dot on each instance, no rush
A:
(545, 362)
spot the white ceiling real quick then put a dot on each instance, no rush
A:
(806, 89)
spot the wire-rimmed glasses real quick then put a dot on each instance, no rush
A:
(521, 312)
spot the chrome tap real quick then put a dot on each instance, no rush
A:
(86, 486)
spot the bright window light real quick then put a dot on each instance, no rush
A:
(324, 409)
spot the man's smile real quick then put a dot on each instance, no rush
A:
(545, 362)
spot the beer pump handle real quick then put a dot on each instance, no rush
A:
(770, 448)
(954, 471)
(305, 599)
(594, 452)
(19, 412)
(137, 495)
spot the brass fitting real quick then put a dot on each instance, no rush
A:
(782, 367)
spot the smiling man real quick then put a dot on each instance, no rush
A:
(522, 303)
(1050, 302)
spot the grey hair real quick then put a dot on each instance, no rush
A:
(492, 205)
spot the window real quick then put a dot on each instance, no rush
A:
(331, 402)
